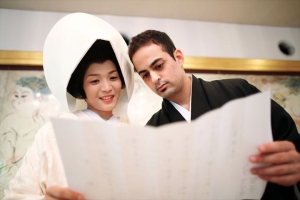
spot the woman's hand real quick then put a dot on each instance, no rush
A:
(55, 192)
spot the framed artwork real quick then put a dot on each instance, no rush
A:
(22, 58)
(26, 103)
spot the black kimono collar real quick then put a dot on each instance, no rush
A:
(199, 103)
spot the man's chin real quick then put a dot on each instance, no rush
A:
(164, 94)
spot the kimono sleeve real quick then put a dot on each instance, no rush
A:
(28, 182)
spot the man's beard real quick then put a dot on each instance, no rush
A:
(167, 92)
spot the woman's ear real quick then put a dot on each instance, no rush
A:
(179, 57)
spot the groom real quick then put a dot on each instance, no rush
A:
(185, 97)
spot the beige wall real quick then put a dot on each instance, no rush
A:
(27, 30)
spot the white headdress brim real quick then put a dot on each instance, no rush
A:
(67, 43)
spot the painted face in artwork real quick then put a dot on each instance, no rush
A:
(23, 99)
(161, 73)
(102, 86)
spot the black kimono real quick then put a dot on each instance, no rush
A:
(207, 96)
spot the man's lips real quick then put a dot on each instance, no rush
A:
(107, 98)
(161, 87)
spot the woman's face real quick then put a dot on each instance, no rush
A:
(102, 86)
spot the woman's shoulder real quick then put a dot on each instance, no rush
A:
(69, 115)
(46, 131)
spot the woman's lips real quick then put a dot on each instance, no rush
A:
(108, 98)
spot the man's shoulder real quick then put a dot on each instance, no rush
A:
(155, 119)
(235, 85)
(233, 82)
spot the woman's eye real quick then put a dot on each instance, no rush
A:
(113, 78)
(94, 81)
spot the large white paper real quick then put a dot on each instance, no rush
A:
(206, 159)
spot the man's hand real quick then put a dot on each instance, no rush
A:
(283, 163)
(56, 192)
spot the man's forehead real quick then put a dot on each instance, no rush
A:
(146, 55)
(152, 44)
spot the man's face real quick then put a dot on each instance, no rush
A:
(161, 73)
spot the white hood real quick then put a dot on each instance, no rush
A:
(65, 46)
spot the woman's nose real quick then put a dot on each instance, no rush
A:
(105, 86)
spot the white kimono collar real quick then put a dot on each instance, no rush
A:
(96, 117)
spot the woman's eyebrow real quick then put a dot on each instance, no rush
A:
(113, 71)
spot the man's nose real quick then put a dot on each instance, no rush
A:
(155, 77)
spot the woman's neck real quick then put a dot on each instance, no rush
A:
(105, 115)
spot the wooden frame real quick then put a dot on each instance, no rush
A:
(25, 58)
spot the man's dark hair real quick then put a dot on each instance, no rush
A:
(99, 52)
(148, 37)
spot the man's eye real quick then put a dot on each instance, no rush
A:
(145, 75)
(159, 66)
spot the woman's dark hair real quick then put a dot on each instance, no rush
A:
(99, 52)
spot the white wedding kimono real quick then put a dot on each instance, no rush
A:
(42, 166)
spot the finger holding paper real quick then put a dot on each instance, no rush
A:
(283, 163)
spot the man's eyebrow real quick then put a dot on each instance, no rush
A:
(151, 65)
(154, 62)
(142, 71)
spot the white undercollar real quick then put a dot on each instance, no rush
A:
(96, 117)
